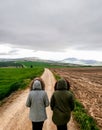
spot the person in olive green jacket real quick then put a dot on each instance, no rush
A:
(62, 103)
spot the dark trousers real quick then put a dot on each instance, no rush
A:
(62, 127)
(37, 125)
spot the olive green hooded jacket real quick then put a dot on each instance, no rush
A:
(62, 103)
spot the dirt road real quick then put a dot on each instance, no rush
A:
(14, 113)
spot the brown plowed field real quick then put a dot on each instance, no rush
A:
(86, 84)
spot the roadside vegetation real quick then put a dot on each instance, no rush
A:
(85, 121)
(80, 114)
(12, 79)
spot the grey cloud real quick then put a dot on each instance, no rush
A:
(52, 25)
(3, 53)
(11, 52)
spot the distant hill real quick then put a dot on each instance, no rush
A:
(9, 62)
(64, 62)
(82, 62)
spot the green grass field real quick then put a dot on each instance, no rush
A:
(17, 74)
(12, 79)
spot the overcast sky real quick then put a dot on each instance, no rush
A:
(51, 29)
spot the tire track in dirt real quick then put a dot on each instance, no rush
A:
(14, 114)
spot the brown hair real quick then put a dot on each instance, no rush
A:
(41, 81)
(55, 86)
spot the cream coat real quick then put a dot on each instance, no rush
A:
(37, 101)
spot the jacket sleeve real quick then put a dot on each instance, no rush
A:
(28, 102)
(46, 100)
(72, 103)
(52, 102)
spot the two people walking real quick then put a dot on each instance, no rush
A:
(61, 103)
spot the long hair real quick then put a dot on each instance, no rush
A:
(41, 81)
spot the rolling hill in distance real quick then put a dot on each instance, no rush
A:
(69, 61)
(82, 61)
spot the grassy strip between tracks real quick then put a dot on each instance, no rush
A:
(12, 79)
(85, 121)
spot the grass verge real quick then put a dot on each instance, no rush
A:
(85, 121)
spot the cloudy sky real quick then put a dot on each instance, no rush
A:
(51, 29)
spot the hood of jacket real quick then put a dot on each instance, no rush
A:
(36, 85)
(61, 84)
